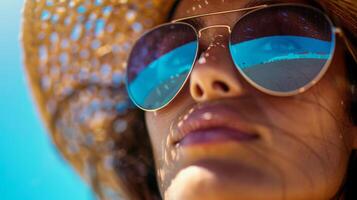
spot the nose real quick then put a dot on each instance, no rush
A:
(214, 75)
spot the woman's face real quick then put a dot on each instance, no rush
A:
(284, 147)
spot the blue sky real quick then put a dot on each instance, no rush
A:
(30, 167)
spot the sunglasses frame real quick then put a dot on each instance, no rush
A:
(334, 31)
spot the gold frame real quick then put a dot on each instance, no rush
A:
(334, 31)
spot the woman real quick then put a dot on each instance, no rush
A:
(226, 124)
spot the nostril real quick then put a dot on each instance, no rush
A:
(219, 85)
(199, 91)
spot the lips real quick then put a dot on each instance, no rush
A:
(216, 134)
(216, 123)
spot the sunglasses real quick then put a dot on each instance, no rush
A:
(280, 49)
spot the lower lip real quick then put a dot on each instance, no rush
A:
(216, 135)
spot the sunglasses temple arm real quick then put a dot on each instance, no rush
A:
(339, 32)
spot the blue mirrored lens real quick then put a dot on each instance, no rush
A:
(281, 63)
(159, 82)
(282, 48)
(159, 65)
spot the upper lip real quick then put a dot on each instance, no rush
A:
(209, 116)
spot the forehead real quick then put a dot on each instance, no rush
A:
(188, 8)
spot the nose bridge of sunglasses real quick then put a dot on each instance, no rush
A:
(214, 26)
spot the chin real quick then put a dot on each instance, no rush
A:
(213, 180)
(197, 183)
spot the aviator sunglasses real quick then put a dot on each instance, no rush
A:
(280, 49)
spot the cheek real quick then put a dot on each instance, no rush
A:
(320, 108)
(157, 131)
(312, 128)
(159, 127)
(158, 124)
(309, 141)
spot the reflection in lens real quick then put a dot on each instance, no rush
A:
(284, 49)
(160, 63)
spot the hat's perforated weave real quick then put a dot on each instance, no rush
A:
(75, 53)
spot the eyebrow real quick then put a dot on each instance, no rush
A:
(269, 2)
(199, 23)
(246, 7)
(253, 3)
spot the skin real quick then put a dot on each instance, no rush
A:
(309, 135)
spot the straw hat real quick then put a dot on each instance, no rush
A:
(75, 54)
